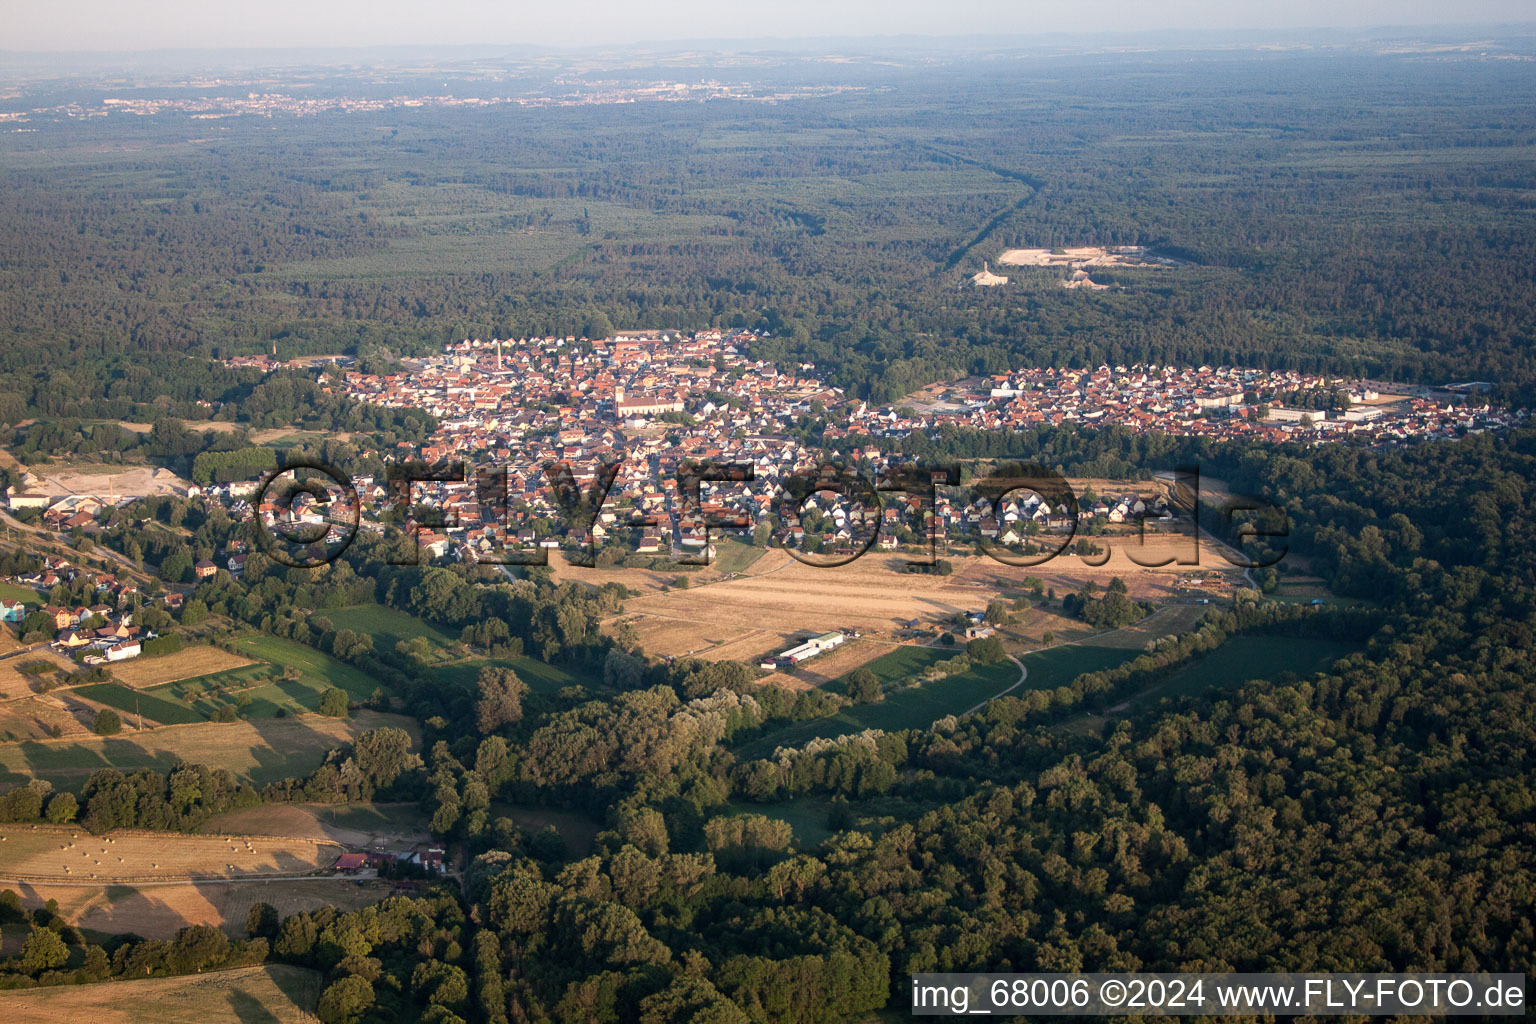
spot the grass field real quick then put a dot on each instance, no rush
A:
(541, 678)
(1248, 657)
(734, 556)
(260, 751)
(66, 853)
(916, 707)
(576, 830)
(17, 592)
(908, 660)
(388, 626)
(271, 994)
(133, 703)
(317, 673)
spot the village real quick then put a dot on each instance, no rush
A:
(648, 406)
(652, 401)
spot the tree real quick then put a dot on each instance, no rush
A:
(998, 612)
(384, 754)
(177, 566)
(335, 703)
(261, 920)
(43, 951)
(345, 1000)
(63, 808)
(864, 687)
(501, 698)
(107, 723)
(987, 650)
(622, 670)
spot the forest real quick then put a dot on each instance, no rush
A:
(1384, 232)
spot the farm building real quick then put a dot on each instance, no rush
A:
(351, 863)
(812, 647)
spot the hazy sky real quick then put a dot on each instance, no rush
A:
(153, 24)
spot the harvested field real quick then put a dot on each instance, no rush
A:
(261, 750)
(15, 684)
(364, 826)
(70, 853)
(158, 910)
(188, 663)
(271, 993)
(779, 597)
(34, 718)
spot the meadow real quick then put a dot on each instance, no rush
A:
(1245, 658)
(261, 751)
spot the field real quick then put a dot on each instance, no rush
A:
(33, 718)
(13, 683)
(156, 910)
(388, 626)
(915, 707)
(317, 672)
(777, 597)
(66, 853)
(133, 703)
(270, 994)
(1248, 657)
(576, 830)
(541, 678)
(188, 663)
(260, 751)
(370, 826)
(17, 592)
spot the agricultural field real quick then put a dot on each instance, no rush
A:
(778, 596)
(70, 853)
(134, 705)
(16, 684)
(260, 751)
(157, 910)
(270, 994)
(188, 663)
(541, 678)
(370, 826)
(35, 718)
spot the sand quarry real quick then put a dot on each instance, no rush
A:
(1086, 256)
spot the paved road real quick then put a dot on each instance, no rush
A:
(1023, 675)
(99, 551)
